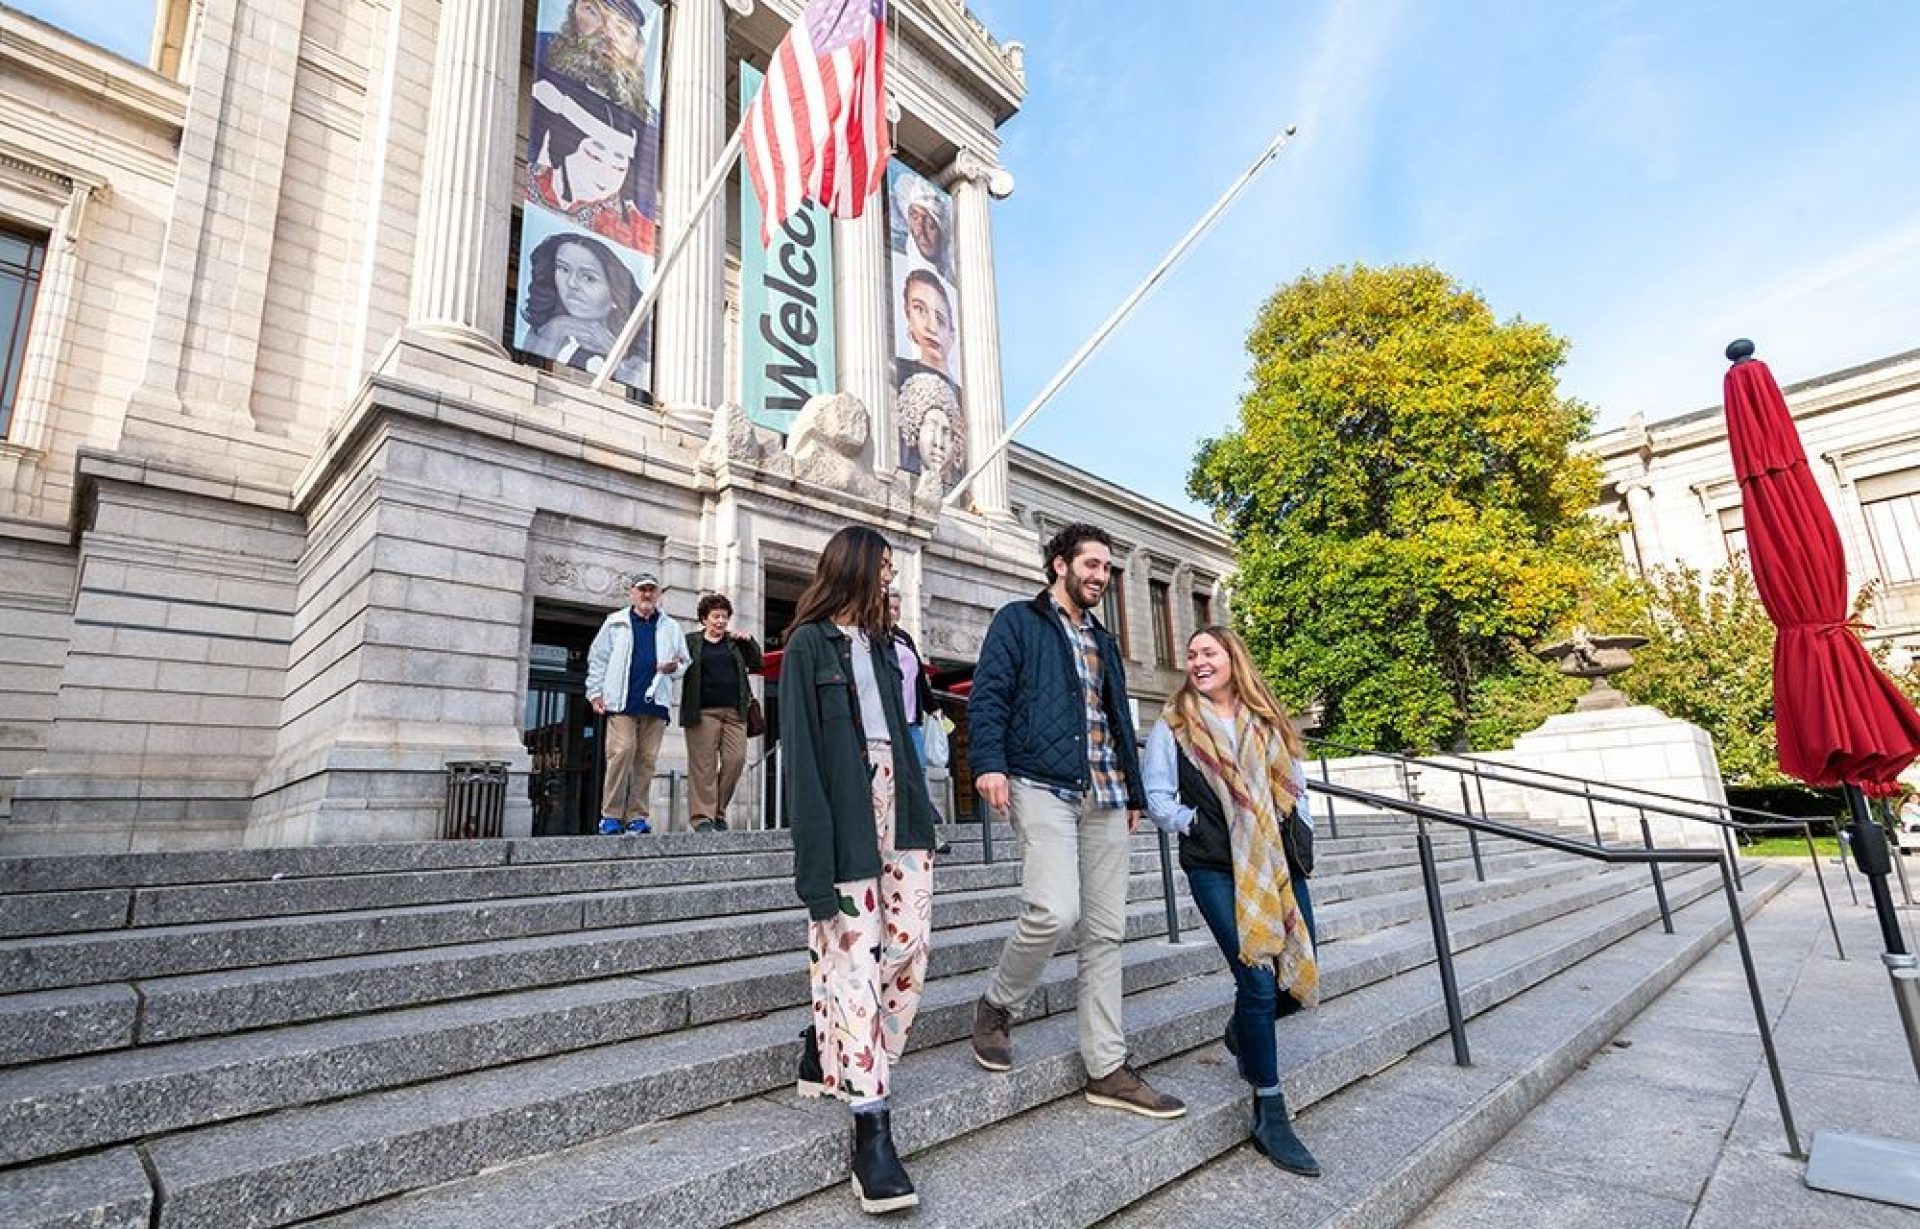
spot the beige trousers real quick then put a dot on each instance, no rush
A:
(716, 751)
(1074, 865)
(633, 747)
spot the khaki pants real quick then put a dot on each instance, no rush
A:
(633, 747)
(716, 751)
(1074, 865)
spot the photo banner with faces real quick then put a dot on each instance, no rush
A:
(786, 304)
(591, 221)
(928, 410)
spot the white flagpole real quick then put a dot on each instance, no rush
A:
(716, 179)
(1120, 313)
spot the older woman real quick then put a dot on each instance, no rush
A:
(1222, 769)
(713, 710)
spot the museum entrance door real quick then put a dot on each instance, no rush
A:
(560, 729)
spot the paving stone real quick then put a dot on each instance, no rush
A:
(1500, 1194)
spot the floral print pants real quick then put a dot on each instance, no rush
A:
(869, 962)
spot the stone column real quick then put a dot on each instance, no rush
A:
(687, 342)
(1646, 530)
(860, 289)
(970, 179)
(460, 255)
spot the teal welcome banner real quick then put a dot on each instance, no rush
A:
(786, 304)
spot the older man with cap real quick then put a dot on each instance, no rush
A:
(637, 654)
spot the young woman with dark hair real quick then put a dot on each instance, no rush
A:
(862, 847)
(1223, 770)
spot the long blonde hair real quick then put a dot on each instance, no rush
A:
(1184, 707)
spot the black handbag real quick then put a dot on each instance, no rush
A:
(756, 718)
(1298, 840)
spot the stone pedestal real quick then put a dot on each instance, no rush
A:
(1637, 746)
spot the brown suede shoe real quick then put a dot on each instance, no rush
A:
(992, 1036)
(1123, 1089)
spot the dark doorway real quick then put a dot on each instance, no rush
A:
(561, 732)
(781, 590)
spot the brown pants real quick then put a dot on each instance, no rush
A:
(716, 751)
(633, 747)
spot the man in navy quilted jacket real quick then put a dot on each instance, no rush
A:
(1051, 742)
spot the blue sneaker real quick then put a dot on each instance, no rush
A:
(639, 827)
(610, 827)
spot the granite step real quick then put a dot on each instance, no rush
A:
(47, 910)
(1394, 1142)
(385, 1142)
(720, 1165)
(85, 1102)
(266, 992)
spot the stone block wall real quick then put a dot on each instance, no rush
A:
(36, 601)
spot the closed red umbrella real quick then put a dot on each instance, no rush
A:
(1839, 718)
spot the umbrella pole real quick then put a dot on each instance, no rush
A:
(1876, 863)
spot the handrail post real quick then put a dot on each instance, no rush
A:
(1813, 855)
(1887, 821)
(1442, 949)
(1326, 775)
(1593, 814)
(1760, 1014)
(1733, 859)
(1659, 884)
(1480, 788)
(985, 813)
(1846, 863)
(1166, 888)
(1473, 836)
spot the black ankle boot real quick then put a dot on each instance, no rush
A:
(1274, 1138)
(880, 1181)
(812, 1082)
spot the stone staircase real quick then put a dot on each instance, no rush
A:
(603, 1031)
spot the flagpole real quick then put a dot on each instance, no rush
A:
(1120, 313)
(716, 179)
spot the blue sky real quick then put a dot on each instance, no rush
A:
(1647, 179)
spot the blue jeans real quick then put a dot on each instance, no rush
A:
(1257, 998)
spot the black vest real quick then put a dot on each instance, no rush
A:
(1207, 844)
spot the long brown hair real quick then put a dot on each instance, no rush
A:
(847, 578)
(1184, 706)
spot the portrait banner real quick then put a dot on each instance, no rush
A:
(928, 408)
(786, 304)
(591, 222)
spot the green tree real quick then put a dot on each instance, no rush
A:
(1708, 660)
(1402, 493)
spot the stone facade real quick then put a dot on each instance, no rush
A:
(279, 514)
(1669, 486)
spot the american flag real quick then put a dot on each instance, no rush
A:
(817, 130)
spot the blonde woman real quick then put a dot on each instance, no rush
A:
(1222, 769)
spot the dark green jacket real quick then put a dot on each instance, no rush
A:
(746, 657)
(829, 790)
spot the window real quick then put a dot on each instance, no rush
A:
(1202, 610)
(22, 258)
(1733, 532)
(1113, 609)
(1894, 525)
(1159, 594)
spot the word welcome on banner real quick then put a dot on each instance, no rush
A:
(590, 227)
(926, 334)
(786, 304)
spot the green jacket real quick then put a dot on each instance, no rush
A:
(746, 658)
(829, 787)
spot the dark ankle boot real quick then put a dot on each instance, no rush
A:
(812, 1082)
(880, 1181)
(1273, 1136)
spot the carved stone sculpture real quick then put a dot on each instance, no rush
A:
(831, 444)
(1584, 655)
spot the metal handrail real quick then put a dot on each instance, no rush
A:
(1424, 815)
(1482, 770)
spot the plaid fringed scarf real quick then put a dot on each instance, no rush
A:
(1253, 778)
